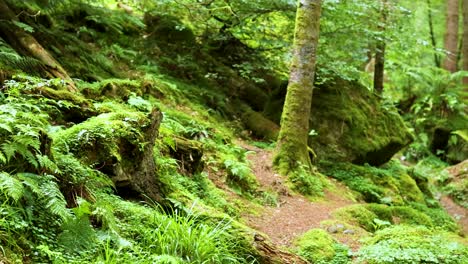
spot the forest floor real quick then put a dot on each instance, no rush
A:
(458, 172)
(459, 213)
(294, 214)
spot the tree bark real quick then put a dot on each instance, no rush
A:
(432, 34)
(27, 45)
(293, 138)
(465, 40)
(451, 36)
(380, 52)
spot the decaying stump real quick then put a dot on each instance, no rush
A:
(121, 146)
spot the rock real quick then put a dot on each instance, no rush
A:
(353, 125)
(348, 232)
(332, 229)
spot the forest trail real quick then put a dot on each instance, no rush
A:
(458, 212)
(294, 214)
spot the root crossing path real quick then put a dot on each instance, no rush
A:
(294, 213)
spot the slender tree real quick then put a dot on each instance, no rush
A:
(465, 40)
(430, 19)
(379, 68)
(293, 137)
(451, 36)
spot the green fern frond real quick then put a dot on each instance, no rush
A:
(32, 181)
(9, 150)
(11, 187)
(46, 163)
(3, 159)
(6, 127)
(55, 201)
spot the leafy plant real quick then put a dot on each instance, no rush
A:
(404, 244)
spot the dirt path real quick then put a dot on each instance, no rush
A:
(295, 214)
(459, 213)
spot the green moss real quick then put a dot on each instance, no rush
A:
(259, 125)
(317, 246)
(353, 125)
(390, 184)
(112, 88)
(439, 217)
(306, 182)
(357, 215)
(102, 133)
(409, 244)
(75, 98)
(410, 216)
(364, 215)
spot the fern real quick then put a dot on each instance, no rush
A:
(9, 58)
(11, 187)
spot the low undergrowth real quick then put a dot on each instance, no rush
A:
(60, 206)
(317, 246)
(409, 244)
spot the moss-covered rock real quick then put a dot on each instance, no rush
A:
(317, 246)
(354, 125)
(390, 184)
(370, 216)
(119, 144)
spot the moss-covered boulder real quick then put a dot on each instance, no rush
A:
(352, 124)
(389, 184)
(119, 144)
(317, 246)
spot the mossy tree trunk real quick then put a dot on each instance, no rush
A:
(379, 68)
(27, 45)
(293, 138)
(451, 36)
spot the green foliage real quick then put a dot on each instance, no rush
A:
(307, 182)
(239, 173)
(405, 244)
(185, 237)
(10, 59)
(317, 246)
(390, 184)
(373, 217)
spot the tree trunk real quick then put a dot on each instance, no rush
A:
(294, 133)
(380, 52)
(27, 45)
(432, 34)
(451, 36)
(465, 40)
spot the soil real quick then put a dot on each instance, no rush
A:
(459, 172)
(459, 213)
(294, 214)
